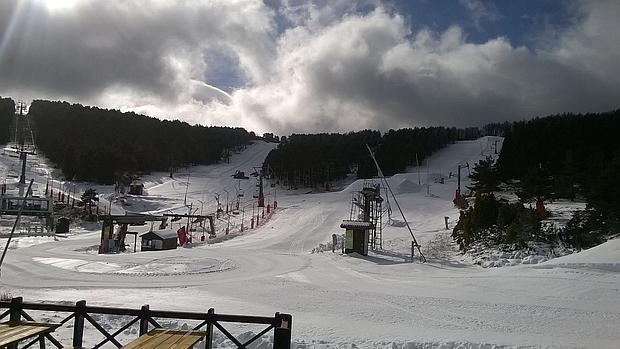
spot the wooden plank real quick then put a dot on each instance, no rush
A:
(167, 339)
(144, 341)
(183, 339)
(189, 339)
(11, 333)
(150, 340)
(171, 339)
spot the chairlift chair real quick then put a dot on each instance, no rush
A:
(240, 175)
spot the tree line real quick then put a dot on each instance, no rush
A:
(101, 145)
(564, 156)
(7, 114)
(568, 156)
(311, 160)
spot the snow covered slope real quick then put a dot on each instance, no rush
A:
(336, 300)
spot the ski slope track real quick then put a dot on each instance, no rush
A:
(339, 301)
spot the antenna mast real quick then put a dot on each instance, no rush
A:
(380, 173)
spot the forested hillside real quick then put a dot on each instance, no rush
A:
(556, 157)
(313, 160)
(97, 144)
(7, 111)
(564, 156)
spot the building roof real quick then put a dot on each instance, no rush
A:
(346, 224)
(162, 234)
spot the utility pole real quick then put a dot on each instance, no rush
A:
(261, 196)
(418, 165)
(21, 141)
(186, 188)
(226, 200)
(219, 206)
(242, 216)
(458, 188)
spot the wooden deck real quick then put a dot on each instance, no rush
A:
(161, 338)
(13, 333)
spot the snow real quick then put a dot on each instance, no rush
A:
(337, 301)
(604, 257)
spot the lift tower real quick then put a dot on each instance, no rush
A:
(24, 139)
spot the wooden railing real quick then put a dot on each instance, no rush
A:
(81, 313)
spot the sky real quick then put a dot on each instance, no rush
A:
(296, 66)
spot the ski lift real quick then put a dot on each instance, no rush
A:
(273, 185)
(176, 218)
(240, 175)
(198, 220)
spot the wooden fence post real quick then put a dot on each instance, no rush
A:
(16, 306)
(144, 319)
(209, 338)
(15, 316)
(282, 333)
(78, 324)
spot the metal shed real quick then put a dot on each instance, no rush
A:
(159, 240)
(356, 236)
(136, 188)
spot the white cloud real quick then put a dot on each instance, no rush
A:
(333, 69)
(371, 71)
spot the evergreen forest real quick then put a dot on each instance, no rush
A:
(7, 112)
(311, 160)
(103, 145)
(564, 156)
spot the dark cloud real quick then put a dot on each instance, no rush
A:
(153, 47)
(297, 66)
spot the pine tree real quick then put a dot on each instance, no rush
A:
(485, 178)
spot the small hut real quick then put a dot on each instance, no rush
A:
(62, 226)
(356, 236)
(136, 188)
(159, 240)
